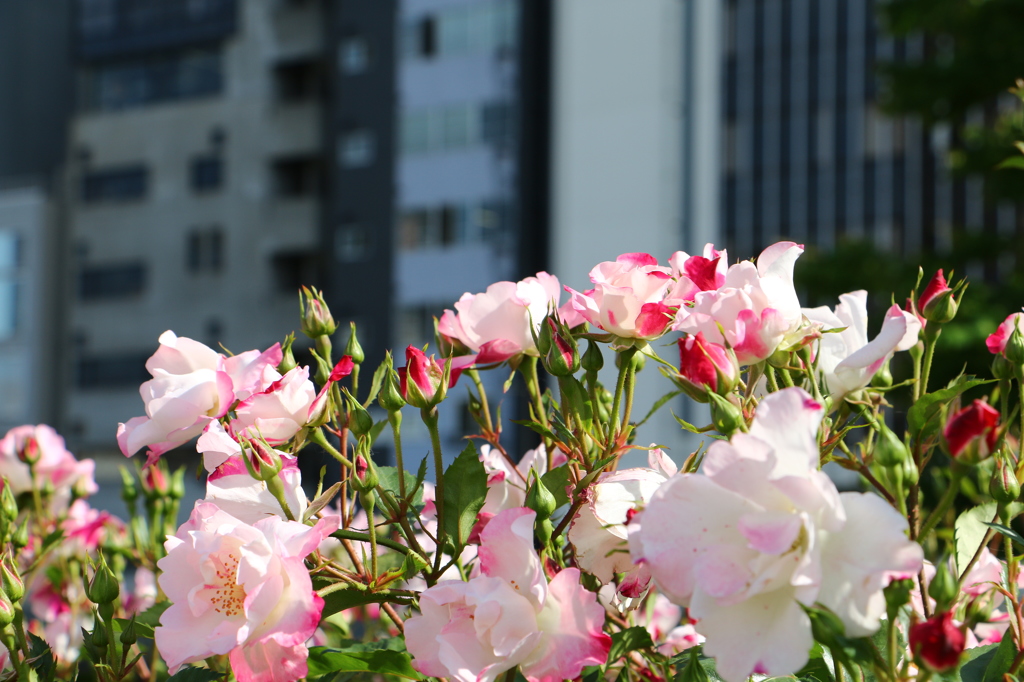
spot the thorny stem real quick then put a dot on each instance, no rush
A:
(430, 419)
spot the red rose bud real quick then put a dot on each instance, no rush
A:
(937, 643)
(365, 477)
(971, 433)
(29, 451)
(937, 303)
(998, 340)
(262, 461)
(316, 316)
(563, 356)
(423, 382)
(706, 366)
(154, 479)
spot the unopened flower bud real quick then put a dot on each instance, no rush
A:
(937, 643)
(98, 637)
(29, 451)
(6, 610)
(364, 475)
(11, 580)
(176, 490)
(563, 356)
(262, 461)
(423, 382)
(316, 316)
(890, 450)
(542, 337)
(352, 348)
(897, 594)
(154, 480)
(1004, 486)
(103, 588)
(287, 363)
(359, 420)
(883, 377)
(943, 587)
(129, 490)
(390, 396)
(592, 360)
(1014, 350)
(8, 504)
(706, 366)
(725, 415)
(1002, 368)
(540, 499)
(129, 635)
(20, 537)
(938, 303)
(972, 433)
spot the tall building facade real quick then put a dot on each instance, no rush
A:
(806, 152)
(194, 184)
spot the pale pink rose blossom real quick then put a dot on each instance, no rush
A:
(508, 615)
(144, 591)
(598, 533)
(279, 411)
(86, 528)
(756, 306)
(241, 590)
(697, 273)
(236, 492)
(53, 465)
(500, 323)
(253, 371)
(189, 389)
(847, 360)
(62, 612)
(767, 533)
(628, 298)
(669, 631)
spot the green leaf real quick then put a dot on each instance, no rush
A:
(339, 600)
(141, 629)
(465, 487)
(388, 477)
(151, 616)
(628, 640)
(1008, 532)
(191, 674)
(692, 670)
(978, 658)
(923, 417)
(658, 404)
(323, 661)
(1012, 162)
(969, 532)
(41, 657)
(1000, 663)
(556, 481)
(817, 668)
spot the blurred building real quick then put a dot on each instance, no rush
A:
(194, 186)
(35, 103)
(806, 152)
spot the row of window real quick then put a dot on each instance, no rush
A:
(451, 224)
(456, 126)
(469, 29)
(131, 182)
(154, 78)
(204, 253)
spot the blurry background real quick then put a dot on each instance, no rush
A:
(187, 164)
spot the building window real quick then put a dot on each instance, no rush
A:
(97, 18)
(293, 271)
(351, 243)
(466, 29)
(111, 281)
(296, 177)
(124, 183)
(496, 124)
(123, 370)
(204, 250)
(452, 224)
(206, 173)
(10, 261)
(147, 80)
(415, 324)
(427, 37)
(297, 81)
(356, 149)
(353, 55)
(457, 126)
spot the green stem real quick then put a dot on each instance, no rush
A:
(625, 365)
(930, 339)
(371, 528)
(628, 389)
(529, 370)
(365, 537)
(429, 417)
(320, 439)
(940, 510)
(395, 419)
(484, 406)
(773, 381)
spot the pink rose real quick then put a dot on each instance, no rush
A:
(698, 273)
(422, 379)
(628, 298)
(236, 492)
(756, 306)
(51, 461)
(508, 615)
(85, 529)
(253, 371)
(767, 533)
(242, 590)
(499, 323)
(188, 390)
(847, 360)
(279, 411)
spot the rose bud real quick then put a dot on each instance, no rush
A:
(423, 382)
(937, 642)
(705, 366)
(938, 303)
(316, 316)
(562, 357)
(971, 433)
(352, 348)
(1004, 486)
(103, 588)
